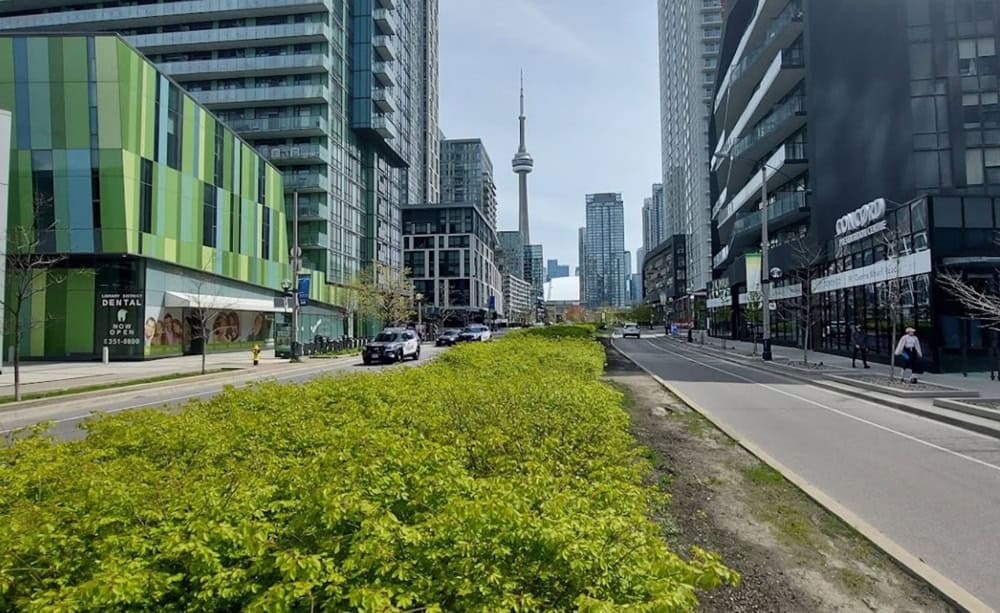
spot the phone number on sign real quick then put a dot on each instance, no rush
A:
(122, 341)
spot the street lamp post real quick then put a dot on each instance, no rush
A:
(296, 253)
(419, 298)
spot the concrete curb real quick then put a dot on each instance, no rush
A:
(944, 391)
(971, 409)
(948, 589)
(137, 387)
(847, 389)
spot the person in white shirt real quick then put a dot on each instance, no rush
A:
(908, 348)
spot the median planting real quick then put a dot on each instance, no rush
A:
(500, 476)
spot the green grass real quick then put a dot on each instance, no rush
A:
(693, 422)
(106, 386)
(762, 474)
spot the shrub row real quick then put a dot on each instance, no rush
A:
(563, 331)
(500, 476)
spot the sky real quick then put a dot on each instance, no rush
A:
(592, 101)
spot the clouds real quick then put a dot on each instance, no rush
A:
(592, 91)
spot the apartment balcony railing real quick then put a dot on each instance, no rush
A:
(384, 73)
(384, 127)
(193, 40)
(315, 125)
(313, 240)
(382, 97)
(795, 105)
(786, 205)
(187, 11)
(296, 153)
(306, 181)
(303, 94)
(313, 211)
(235, 67)
(385, 47)
(385, 21)
(792, 14)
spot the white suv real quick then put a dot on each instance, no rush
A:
(630, 330)
(475, 332)
(392, 345)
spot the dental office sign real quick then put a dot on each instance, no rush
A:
(862, 223)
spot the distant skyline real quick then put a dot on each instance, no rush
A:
(591, 98)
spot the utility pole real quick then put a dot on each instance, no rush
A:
(296, 258)
(765, 284)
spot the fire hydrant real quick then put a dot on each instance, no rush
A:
(256, 354)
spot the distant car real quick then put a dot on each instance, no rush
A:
(475, 332)
(447, 338)
(630, 330)
(392, 345)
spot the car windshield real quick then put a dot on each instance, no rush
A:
(386, 337)
(470, 330)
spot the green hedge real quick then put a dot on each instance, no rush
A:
(563, 331)
(500, 476)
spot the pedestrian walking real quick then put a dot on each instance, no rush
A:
(860, 339)
(908, 348)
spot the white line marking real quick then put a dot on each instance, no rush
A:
(833, 410)
(837, 394)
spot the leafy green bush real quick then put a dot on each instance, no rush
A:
(499, 476)
(563, 331)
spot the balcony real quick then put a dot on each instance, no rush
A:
(277, 127)
(788, 162)
(384, 127)
(295, 154)
(384, 73)
(263, 96)
(385, 21)
(744, 74)
(386, 4)
(382, 98)
(248, 66)
(384, 47)
(787, 207)
(306, 181)
(783, 120)
(167, 13)
(313, 211)
(230, 38)
(313, 240)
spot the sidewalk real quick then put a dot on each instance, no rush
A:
(51, 376)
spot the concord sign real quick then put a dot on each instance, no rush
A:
(861, 218)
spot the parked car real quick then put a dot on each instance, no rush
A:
(447, 338)
(392, 345)
(630, 330)
(475, 332)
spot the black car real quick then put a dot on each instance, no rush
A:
(447, 338)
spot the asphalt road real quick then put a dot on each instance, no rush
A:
(932, 488)
(66, 414)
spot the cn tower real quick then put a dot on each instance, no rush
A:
(522, 165)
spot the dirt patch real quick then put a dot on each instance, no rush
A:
(791, 553)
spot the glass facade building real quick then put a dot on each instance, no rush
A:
(689, 36)
(341, 96)
(605, 260)
(793, 98)
(157, 209)
(467, 176)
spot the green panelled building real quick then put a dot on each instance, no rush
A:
(167, 221)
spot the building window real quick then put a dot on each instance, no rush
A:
(219, 148)
(145, 195)
(261, 180)
(265, 234)
(235, 224)
(209, 217)
(95, 190)
(173, 127)
(449, 263)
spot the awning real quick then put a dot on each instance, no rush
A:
(212, 302)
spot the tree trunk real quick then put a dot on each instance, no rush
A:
(204, 351)
(892, 349)
(17, 361)
(805, 338)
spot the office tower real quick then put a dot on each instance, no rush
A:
(604, 251)
(341, 96)
(654, 218)
(554, 270)
(581, 269)
(689, 34)
(522, 165)
(467, 176)
(511, 252)
(534, 269)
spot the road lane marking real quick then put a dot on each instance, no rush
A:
(838, 394)
(832, 409)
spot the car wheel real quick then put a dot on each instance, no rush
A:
(367, 361)
(416, 355)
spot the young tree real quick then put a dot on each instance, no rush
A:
(723, 313)
(384, 294)
(210, 306)
(754, 314)
(806, 255)
(642, 313)
(29, 273)
(893, 292)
